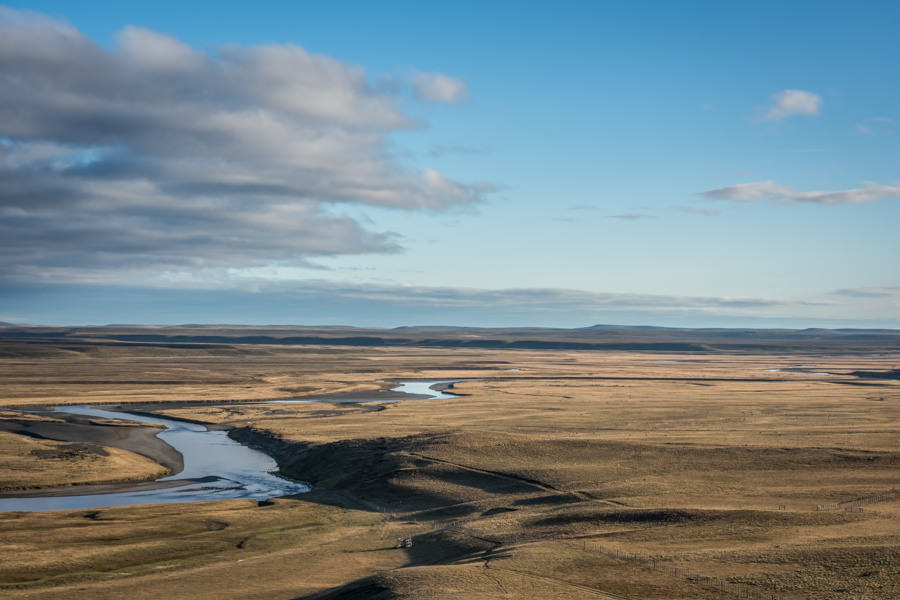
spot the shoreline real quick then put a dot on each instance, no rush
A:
(143, 440)
(146, 407)
(94, 489)
(140, 439)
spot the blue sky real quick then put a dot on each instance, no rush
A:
(563, 164)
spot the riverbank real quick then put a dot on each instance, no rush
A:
(86, 436)
(215, 467)
(51, 454)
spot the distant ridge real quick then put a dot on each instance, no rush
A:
(735, 330)
(623, 327)
(597, 337)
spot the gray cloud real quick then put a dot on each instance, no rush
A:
(783, 194)
(630, 217)
(695, 210)
(868, 292)
(154, 156)
(307, 301)
(525, 299)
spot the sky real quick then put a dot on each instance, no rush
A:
(690, 164)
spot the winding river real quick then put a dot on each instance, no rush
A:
(216, 467)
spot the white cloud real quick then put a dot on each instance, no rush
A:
(438, 87)
(776, 192)
(874, 125)
(790, 103)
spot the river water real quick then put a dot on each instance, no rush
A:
(226, 468)
(413, 388)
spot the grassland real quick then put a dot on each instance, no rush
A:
(524, 486)
(44, 452)
(30, 463)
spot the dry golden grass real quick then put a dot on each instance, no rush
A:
(140, 374)
(149, 374)
(37, 463)
(707, 462)
(231, 549)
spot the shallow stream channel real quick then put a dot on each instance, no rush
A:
(216, 467)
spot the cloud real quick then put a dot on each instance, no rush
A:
(551, 299)
(868, 292)
(783, 194)
(540, 298)
(789, 103)
(875, 125)
(310, 301)
(438, 150)
(695, 210)
(554, 298)
(153, 156)
(630, 217)
(438, 87)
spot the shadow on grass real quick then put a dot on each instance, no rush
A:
(376, 475)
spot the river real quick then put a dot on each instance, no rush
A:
(216, 467)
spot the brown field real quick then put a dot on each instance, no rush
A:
(39, 463)
(583, 474)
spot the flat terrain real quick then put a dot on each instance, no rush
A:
(42, 453)
(557, 473)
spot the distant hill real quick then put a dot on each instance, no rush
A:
(597, 337)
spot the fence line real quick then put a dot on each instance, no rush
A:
(850, 505)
